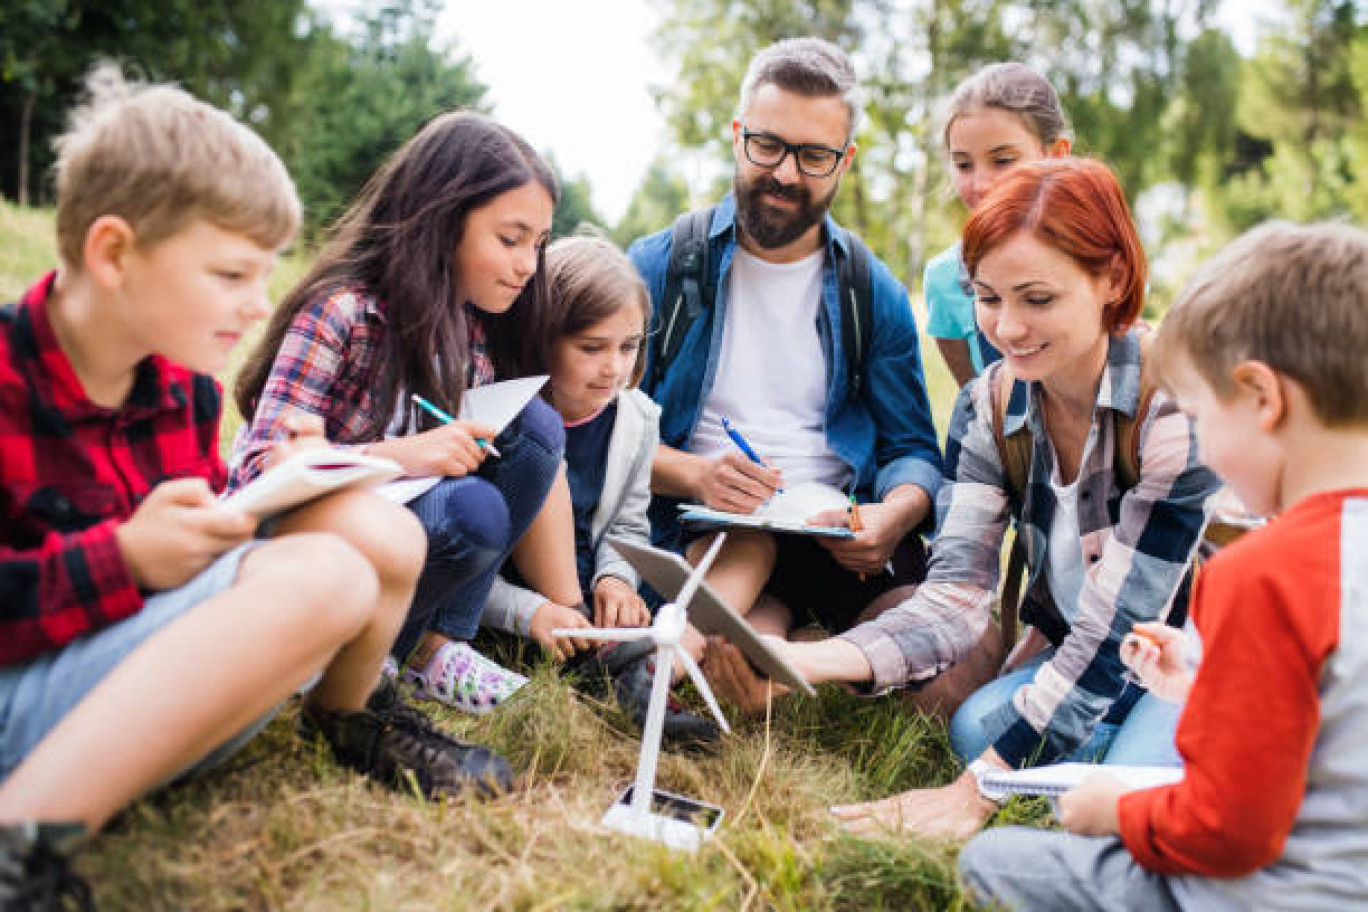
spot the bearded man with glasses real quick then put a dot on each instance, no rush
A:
(774, 349)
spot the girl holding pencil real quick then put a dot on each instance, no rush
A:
(428, 287)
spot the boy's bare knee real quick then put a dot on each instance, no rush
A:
(318, 574)
(400, 546)
(388, 535)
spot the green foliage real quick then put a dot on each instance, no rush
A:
(575, 209)
(1154, 89)
(238, 55)
(365, 95)
(663, 194)
(1300, 122)
(334, 101)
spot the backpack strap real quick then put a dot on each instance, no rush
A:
(1128, 427)
(857, 307)
(1014, 453)
(689, 290)
(687, 286)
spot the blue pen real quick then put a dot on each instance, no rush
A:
(443, 417)
(741, 443)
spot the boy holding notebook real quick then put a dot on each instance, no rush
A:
(1265, 350)
(144, 634)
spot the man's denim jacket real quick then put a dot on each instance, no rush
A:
(885, 434)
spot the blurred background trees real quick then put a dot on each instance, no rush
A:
(1207, 140)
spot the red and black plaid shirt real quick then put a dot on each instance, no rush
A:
(71, 471)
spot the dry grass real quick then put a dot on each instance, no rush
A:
(284, 828)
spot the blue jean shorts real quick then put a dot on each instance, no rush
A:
(34, 696)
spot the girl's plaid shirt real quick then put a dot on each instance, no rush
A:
(326, 366)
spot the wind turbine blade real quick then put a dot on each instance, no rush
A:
(692, 583)
(700, 682)
(617, 634)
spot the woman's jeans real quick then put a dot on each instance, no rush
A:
(1138, 730)
(473, 523)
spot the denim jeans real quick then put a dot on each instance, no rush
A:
(473, 524)
(1138, 730)
(36, 695)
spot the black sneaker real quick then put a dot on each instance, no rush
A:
(390, 741)
(629, 669)
(35, 875)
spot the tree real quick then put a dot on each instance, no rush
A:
(1299, 110)
(662, 195)
(364, 96)
(241, 56)
(575, 209)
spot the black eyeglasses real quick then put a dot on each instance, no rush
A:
(769, 151)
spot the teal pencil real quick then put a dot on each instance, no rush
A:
(443, 417)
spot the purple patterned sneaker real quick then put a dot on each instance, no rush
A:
(460, 677)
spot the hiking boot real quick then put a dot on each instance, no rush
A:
(463, 679)
(35, 875)
(629, 668)
(394, 743)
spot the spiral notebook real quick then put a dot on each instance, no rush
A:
(1056, 779)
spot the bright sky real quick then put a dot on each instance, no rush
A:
(573, 79)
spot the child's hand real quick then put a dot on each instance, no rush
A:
(177, 531)
(736, 484)
(551, 616)
(1090, 808)
(617, 604)
(303, 431)
(1154, 654)
(448, 450)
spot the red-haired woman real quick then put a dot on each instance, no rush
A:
(1059, 276)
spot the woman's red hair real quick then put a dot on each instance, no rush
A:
(1076, 206)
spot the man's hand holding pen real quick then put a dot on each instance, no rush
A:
(740, 481)
(734, 483)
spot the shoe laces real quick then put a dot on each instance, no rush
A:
(413, 724)
(50, 883)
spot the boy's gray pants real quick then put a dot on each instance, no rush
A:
(1026, 868)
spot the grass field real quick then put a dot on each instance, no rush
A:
(284, 827)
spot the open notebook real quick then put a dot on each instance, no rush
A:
(786, 511)
(306, 475)
(1056, 779)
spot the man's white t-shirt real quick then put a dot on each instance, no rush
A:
(771, 379)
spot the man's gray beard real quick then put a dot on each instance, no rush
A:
(768, 230)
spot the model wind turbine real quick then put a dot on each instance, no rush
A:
(672, 819)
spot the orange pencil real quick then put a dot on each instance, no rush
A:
(1147, 637)
(855, 525)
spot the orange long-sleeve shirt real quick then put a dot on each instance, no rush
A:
(1268, 613)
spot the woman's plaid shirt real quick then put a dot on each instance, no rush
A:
(1137, 544)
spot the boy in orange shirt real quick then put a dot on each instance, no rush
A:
(1265, 349)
